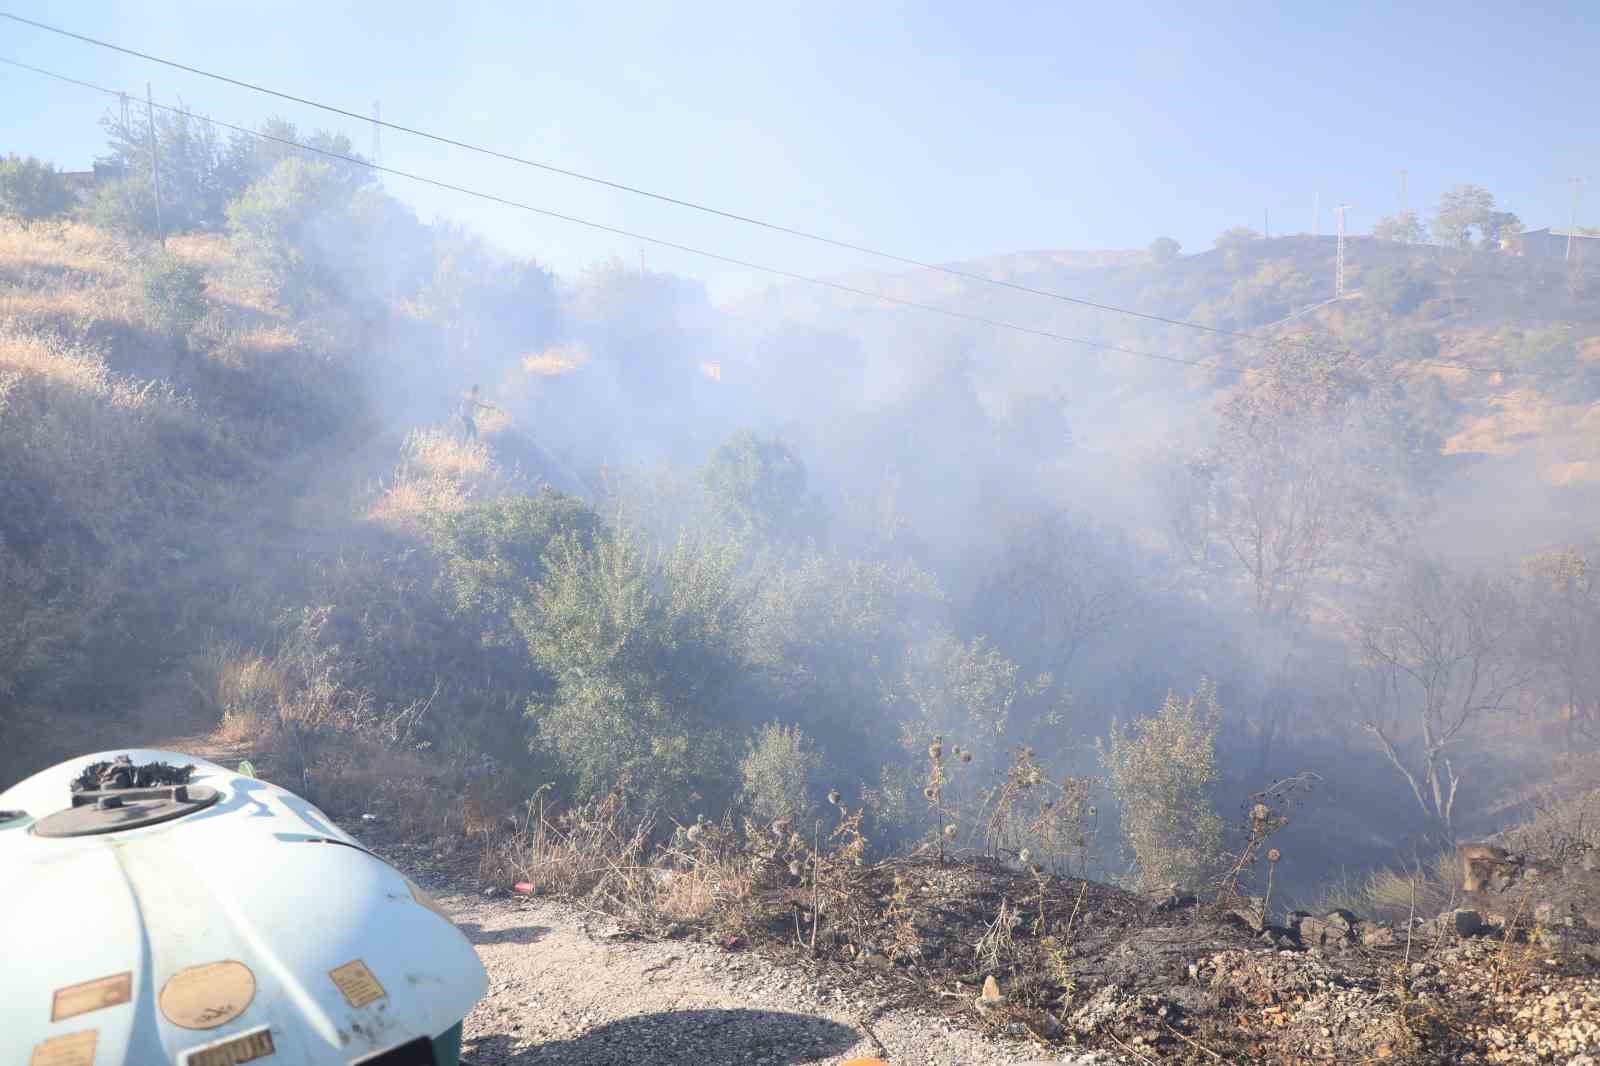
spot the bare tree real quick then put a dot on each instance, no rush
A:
(1060, 581)
(1440, 652)
(1302, 478)
(1564, 632)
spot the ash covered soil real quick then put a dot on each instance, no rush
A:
(1511, 977)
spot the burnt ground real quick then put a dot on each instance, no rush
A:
(1065, 965)
(973, 957)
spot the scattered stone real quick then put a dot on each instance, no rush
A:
(1378, 935)
(1330, 930)
(1463, 921)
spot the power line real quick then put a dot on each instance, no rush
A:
(1215, 367)
(663, 198)
(632, 235)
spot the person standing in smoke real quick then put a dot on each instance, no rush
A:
(468, 414)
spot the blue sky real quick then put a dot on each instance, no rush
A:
(937, 130)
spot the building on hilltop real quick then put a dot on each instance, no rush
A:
(1552, 244)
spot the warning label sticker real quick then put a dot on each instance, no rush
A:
(357, 983)
(246, 1047)
(74, 1049)
(98, 994)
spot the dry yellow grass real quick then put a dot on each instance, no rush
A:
(63, 246)
(243, 347)
(245, 690)
(210, 250)
(439, 473)
(58, 363)
(1518, 416)
(71, 309)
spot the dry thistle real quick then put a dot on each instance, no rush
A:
(1273, 855)
(966, 756)
(834, 797)
(935, 751)
(950, 831)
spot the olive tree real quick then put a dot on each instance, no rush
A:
(31, 190)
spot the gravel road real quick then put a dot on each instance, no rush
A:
(562, 991)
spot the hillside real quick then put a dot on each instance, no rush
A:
(960, 591)
(743, 556)
(1411, 305)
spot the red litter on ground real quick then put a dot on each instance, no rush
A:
(523, 887)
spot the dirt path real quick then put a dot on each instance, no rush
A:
(562, 991)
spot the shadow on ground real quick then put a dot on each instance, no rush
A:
(522, 934)
(681, 1038)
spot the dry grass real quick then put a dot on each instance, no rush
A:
(59, 247)
(594, 849)
(1388, 894)
(439, 473)
(245, 692)
(1562, 826)
(210, 250)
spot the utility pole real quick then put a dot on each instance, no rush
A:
(1577, 184)
(1338, 285)
(155, 159)
(377, 134)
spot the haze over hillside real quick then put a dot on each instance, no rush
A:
(738, 556)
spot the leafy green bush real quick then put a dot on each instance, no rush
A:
(779, 771)
(492, 554)
(125, 206)
(1162, 770)
(639, 645)
(757, 486)
(31, 190)
(175, 291)
(276, 221)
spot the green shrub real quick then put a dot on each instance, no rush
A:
(1162, 770)
(175, 292)
(125, 206)
(640, 647)
(492, 553)
(1396, 289)
(779, 771)
(757, 486)
(31, 190)
(280, 223)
